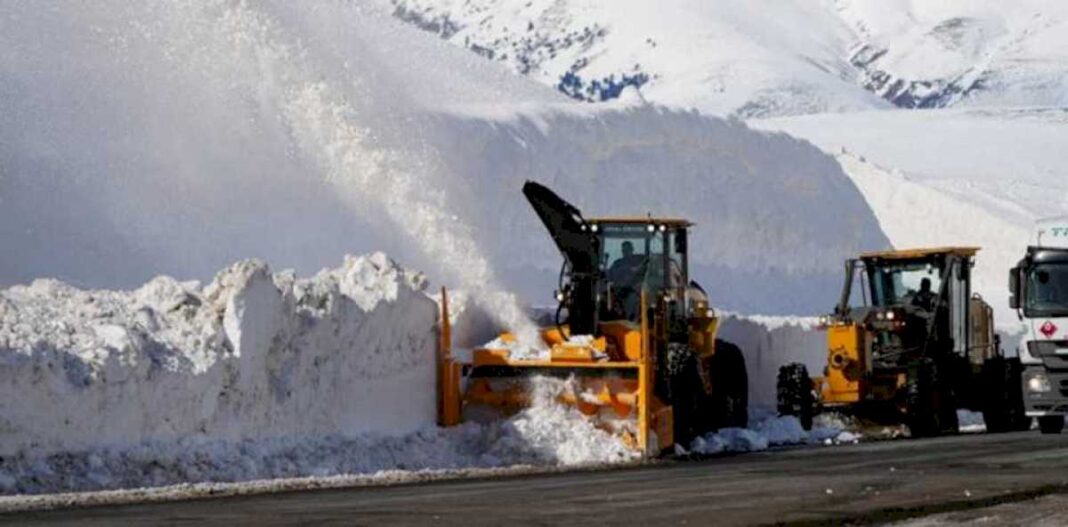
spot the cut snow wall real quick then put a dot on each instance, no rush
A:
(250, 356)
(775, 217)
(771, 342)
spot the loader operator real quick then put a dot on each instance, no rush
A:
(625, 273)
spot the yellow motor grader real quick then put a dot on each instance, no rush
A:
(908, 341)
(633, 338)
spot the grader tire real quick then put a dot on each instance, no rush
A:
(930, 407)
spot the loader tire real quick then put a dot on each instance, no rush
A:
(1003, 405)
(685, 391)
(794, 393)
(730, 387)
(930, 407)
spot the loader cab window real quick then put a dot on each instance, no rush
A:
(906, 283)
(632, 256)
(625, 250)
(1046, 290)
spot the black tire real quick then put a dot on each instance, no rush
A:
(685, 391)
(794, 393)
(929, 403)
(1051, 424)
(1003, 404)
(730, 387)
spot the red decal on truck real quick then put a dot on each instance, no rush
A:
(1048, 329)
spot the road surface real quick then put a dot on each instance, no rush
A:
(870, 482)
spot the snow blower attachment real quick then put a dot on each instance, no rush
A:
(633, 340)
(909, 342)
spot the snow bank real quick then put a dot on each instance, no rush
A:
(253, 376)
(249, 357)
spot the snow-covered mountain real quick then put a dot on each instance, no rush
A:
(770, 58)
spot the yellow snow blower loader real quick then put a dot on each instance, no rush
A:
(633, 338)
(909, 342)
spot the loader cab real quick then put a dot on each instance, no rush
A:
(635, 255)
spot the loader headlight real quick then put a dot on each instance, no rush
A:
(594, 227)
(880, 316)
(889, 315)
(651, 228)
(558, 295)
(1039, 383)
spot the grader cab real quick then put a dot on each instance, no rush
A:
(633, 338)
(908, 341)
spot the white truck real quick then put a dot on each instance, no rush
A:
(1039, 293)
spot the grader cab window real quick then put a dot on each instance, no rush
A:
(910, 283)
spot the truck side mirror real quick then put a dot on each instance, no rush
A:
(1014, 288)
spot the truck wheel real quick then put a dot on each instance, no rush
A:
(730, 386)
(1003, 405)
(929, 403)
(686, 393)
(1051, 424)
(794, 393)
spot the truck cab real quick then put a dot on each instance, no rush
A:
(1039, 293)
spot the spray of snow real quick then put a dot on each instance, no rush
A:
(400, 181)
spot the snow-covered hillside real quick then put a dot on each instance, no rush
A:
(770, 57)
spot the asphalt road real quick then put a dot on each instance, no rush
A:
(872, 482)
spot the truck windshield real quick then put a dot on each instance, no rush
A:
(1047, 290)
(903, 283)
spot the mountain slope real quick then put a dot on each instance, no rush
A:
(770, 58)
